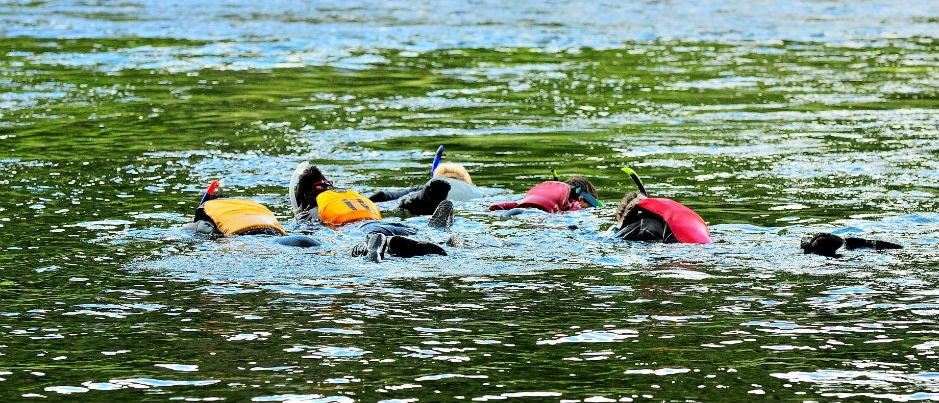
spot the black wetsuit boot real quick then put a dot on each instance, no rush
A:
(443, 215)
(392, 194)
(400, 246)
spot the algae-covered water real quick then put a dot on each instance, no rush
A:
(772, 119)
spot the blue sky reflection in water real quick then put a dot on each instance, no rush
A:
(773, 120)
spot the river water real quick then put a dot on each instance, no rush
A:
(772, 119)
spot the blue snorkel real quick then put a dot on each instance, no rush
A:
(632, 174)
(436, 160)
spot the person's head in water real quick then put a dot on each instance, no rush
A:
(453, 171)
(629, 201)
(585, 186)
(310, 184)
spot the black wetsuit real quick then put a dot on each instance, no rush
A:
(647, 228)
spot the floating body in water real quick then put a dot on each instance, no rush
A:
(827, 244)
(576, 193)
(218, 215)
(461, 184)
(450, 181)
(655, 219)
(642, 218)
(314, 198)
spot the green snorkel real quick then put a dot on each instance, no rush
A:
(632, 174)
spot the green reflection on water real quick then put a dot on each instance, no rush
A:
(759, 134)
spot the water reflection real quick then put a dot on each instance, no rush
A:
(238, 35)
(773, 122)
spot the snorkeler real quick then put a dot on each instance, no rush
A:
(573, 194)
(218, 216)
(314, 198)
(827, 244)
(450, 181)
(654, 219)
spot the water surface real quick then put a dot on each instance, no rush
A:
(773, 120)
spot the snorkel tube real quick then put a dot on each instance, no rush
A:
(632, 174)
(436, 160)
(210, 191)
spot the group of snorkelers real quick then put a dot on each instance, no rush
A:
(316, 200)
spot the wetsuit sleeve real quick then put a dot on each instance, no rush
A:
(392, 194)
(426, 198)
(503, 206)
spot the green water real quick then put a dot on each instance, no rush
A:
(105, 299)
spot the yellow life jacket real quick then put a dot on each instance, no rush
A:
(338, 208)
(237, 216)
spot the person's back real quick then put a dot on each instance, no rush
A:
(642, 218)
(574, 194)
(220, 216)
(314, 198)
(450, 181)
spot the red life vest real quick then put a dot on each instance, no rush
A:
(687, 225)
(547, 196)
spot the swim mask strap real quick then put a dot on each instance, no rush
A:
(323, 185)
(592, 201)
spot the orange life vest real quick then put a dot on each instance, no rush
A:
(237, 216)
(343, 207)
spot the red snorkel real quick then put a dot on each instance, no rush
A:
(210, 191)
